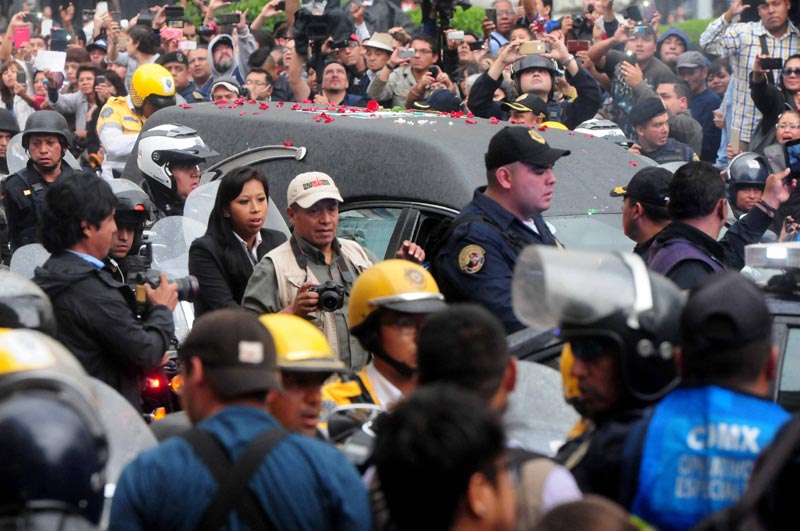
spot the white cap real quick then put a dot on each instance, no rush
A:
(310, 187)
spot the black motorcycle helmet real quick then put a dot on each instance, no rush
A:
(24, 305)
(8, 123)
(532, 61)
(646, 342)
(49, 123)
(612, 300)
(746, 169)
(53, 442)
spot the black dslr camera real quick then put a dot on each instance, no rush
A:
(187, 286)
(331, 295)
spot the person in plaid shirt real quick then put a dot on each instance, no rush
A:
(743, 42)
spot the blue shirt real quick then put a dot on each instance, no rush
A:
(302, 484)
(89, 258)
(477, 262)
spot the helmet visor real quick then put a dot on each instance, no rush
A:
(552, 286)
(160, 102)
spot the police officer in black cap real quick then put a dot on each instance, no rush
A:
(8, 128)
(644, 207)
(651, 120)
(178, 65)
(528, 109)
(477, 259)
(46, 139)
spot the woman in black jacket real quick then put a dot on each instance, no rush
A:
(223, 259)
(772, 100)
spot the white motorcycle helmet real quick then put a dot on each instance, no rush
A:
(166, 144)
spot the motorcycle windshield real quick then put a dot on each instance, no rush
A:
(27, 258)
(200, 203)
(171, 238)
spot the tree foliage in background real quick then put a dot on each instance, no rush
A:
(693, 28)
(465, 20)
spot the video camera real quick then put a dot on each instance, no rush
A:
(319, 19)
(140, 273)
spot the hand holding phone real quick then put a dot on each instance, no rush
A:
(491, 14)
(21, 77)
(406, 53)
(532, 48)
(771, 63)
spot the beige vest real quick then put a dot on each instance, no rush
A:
(290, 277)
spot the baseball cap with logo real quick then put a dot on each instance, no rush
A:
(650, 185)
(528, 103)
(310, 187)
(520, 144)
(240, 361)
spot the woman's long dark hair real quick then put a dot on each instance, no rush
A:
(6, 93)
(220, 227)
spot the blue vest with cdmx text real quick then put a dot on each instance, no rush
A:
(698, 453)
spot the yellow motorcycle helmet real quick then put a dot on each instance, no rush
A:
(152, 82)
(300, 346)
(397, 285)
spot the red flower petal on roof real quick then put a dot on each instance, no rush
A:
(279, 104)
(288, 144)
(185, 106)
(242, 113)
(494, 120)
(471, 122)
(263, 106)
(307, 101)
(571, 133)
(296, 107)
(252, 102)
(329, 119)
(633, 163)
(372, 105)
(470, 115)
(221, 102)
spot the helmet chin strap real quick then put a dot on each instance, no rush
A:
(405, 370)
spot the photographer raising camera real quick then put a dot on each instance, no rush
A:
(311, 274)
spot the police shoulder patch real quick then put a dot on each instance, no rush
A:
(105, 113)
(197, 95)
(471, 258)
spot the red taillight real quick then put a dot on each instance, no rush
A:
(153, 383)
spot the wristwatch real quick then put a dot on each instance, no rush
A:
(570, 58)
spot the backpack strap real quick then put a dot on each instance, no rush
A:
(765, 51)
(233, 492)
(511, 237)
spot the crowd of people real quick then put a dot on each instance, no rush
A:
(668, 353)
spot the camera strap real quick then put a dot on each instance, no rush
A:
(765, 51)
(302, 262)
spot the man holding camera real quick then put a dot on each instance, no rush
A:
(630, 71)
(774, 35)
(311, 274)
(96, 314)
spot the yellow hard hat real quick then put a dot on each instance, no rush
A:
(155, 82)
(554, 125)
(299, 345)
(398, 285)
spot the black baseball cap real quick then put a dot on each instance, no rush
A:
(173, 57)
(528, 103)
(441, 100)
(646, 110)
(727, 310)
(237, 352)
(650, 185)
(520, 144)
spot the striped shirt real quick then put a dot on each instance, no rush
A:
(742, 42)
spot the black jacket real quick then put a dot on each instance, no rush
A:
(572, 114)
(729, 251)
(97, 322)
(24, 198)
(220, 288)
(771, 101)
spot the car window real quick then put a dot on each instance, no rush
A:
(789, 390)
(596, 232)
(371, 227)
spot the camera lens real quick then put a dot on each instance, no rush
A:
(187, 288)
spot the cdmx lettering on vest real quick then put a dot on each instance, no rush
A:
(315, 183)
(724, 436)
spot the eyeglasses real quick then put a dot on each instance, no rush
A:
(791, 71)
(424, 52)
(256, 83)
(507, 12)
(793, 127)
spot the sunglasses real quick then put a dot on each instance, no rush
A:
(791, 72)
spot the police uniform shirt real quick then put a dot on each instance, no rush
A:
(672, 151)
(192, 94)
(477, 261)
